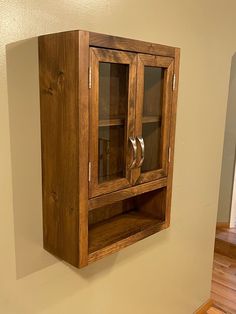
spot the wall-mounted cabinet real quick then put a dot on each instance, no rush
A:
(108, 109)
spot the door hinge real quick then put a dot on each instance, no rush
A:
(174, 82)
(169, 154)
(90, 78)
(89, 171)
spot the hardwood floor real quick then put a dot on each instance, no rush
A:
(225, 242)
(223, 290)
(214, 310)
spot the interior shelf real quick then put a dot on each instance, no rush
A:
(120, 121)
(111, 122)
(119, 227)
(151, 119)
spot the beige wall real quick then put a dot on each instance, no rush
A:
(228, 160)
(169, 272)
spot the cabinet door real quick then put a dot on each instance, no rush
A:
(153, 111)
(112, 144)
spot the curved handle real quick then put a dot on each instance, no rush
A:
(134, 145)
(141, 142)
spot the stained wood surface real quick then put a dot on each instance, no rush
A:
(126, 193)
(108, 211)
(117, 228)
(209, 308)
(111, 122)
(225, 241)
(227, 234)
(120, 43)
(151, 119)
(60, 150)
(224, 284)
(222, 225)
(120, 120)
(157, 150)
(114, 57)
(172, 135)
(214, 310)
(121, 220)
(83, 142)
(74, 229)
(204, 307)
(117, 246)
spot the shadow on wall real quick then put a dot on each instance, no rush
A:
(229, 151)
(24, 113)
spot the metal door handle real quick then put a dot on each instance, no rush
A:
(141, 142)
(134, 145)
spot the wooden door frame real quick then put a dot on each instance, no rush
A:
(168, 64)
(111, 56)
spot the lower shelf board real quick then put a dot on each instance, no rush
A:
(113, 230)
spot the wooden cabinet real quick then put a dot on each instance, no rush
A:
(108, 109)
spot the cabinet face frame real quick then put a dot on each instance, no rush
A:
(136, 62)
(136, 46)
(113, 57)
(65, 118)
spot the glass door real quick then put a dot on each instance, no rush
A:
(153, 109)
(113, 147)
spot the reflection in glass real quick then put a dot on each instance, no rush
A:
(152, 117)
(113, 103)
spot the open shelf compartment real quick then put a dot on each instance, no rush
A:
(138, 217)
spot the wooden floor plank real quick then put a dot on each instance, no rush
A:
(224, 259)
(224, 279)
(227, 236)
(214, 310)
(223, 291)
(225, 242)
(229, 270)
(223, 303)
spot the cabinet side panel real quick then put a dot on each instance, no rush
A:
(58, 68)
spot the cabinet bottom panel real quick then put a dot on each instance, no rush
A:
(117, 228)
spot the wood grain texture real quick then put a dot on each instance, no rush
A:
(172, 135)
(126, 193)
(119, 227)
(214, 310)
(152, 203)
(117, 246)
(83, 142)
(60, 150)
(225, 242)
(209, 308)
(166, 103)
(223, 291)
(204, 307)
(120, 43)
(125, 222)
(84, 221)
(222, 225)
(119, 57)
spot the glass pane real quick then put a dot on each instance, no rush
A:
(152, 117)
(113, 105)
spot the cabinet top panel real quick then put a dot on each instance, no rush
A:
(121, 43)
